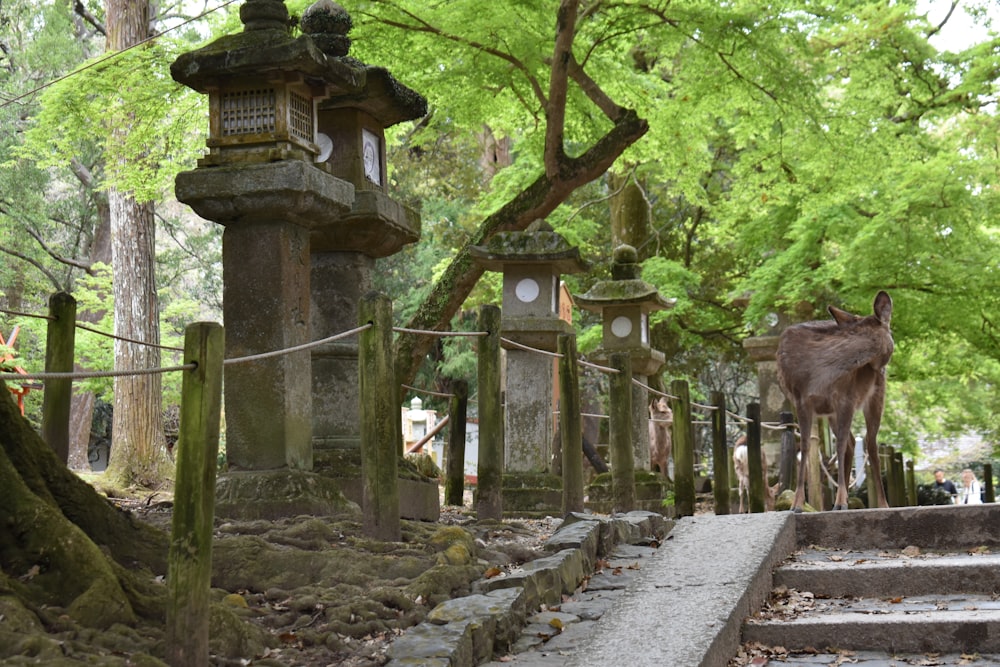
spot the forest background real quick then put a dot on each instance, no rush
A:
(766, 158)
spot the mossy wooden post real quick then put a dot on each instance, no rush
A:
(988, 494)
(189, 561)
(570, 426)
(720, 455)
(683, 436)
(871, 469)
(814, 451)
(380, 437)
(890, 474)
(754, 465)
(59, 351)
(897, 465)
(787, 464)
(911, 484)
(489, 497)
(623, 497)
(454, 480)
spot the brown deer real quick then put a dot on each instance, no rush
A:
(660, 440)
(835, 369)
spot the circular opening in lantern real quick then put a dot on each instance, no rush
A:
(621, 326)
(526, 290)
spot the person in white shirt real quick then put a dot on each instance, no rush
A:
(970, 489)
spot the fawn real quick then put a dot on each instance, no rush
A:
(835, 369)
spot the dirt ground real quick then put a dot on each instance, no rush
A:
(314, 591)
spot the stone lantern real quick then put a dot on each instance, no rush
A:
(284, 192)
(531, 262)
(625, 303)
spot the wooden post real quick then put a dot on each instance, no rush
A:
(911, 484)
(570, 426)
(189, 561)
(754, 467)
(454, 478)
(683, 436)
(894, 481)
(59, 351)
(622, 461)
(871, 469)
(489, 496)
(379, 409)
(988, 483)
(720, 455)
(787, 465)
(814, 483)
(899, 500)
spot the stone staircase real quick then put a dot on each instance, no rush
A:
(909, 580)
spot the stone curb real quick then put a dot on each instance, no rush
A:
(467, 631)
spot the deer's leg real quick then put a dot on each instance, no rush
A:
(842, 430)
(805, 428)
(873, 419)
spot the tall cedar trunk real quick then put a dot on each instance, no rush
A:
(138, 450)
(631, 216)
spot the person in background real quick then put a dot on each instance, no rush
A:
(970, 489)
(945, 485)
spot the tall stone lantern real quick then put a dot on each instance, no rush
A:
(531, 263)
(269, 179)
(624, 303)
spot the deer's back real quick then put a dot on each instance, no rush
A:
(827, 362)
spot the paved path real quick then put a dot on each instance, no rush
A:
(683, 604)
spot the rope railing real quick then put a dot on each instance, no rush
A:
(431, 332)
(86, 375)
(597, 367)
(16, 313)
(528, 348)
(128, 340)
(655, 392)
(297, 348)
(427, 391)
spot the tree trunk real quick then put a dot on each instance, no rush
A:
(631, 215)
(65, 545)
(563, 175)
(138, 450)
(82, 410)
(536, 201)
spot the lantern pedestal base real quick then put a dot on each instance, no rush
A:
(650, 490)
(419, 496)
(531, 495)
(277, 494)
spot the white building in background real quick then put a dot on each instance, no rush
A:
(417, 423)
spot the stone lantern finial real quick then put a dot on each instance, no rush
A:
(328, 24)
(625, 263)
(264, 15)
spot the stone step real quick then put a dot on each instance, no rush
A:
(946, 623)
(889, 573)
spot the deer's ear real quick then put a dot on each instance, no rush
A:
(883, 307)
(842, 316)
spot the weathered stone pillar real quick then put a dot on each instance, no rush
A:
(531, 262)
(624, 303)
(284, 189)
(339, 280)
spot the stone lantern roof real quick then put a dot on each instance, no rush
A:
(538, 244)
(319, 57)
(626, 287)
